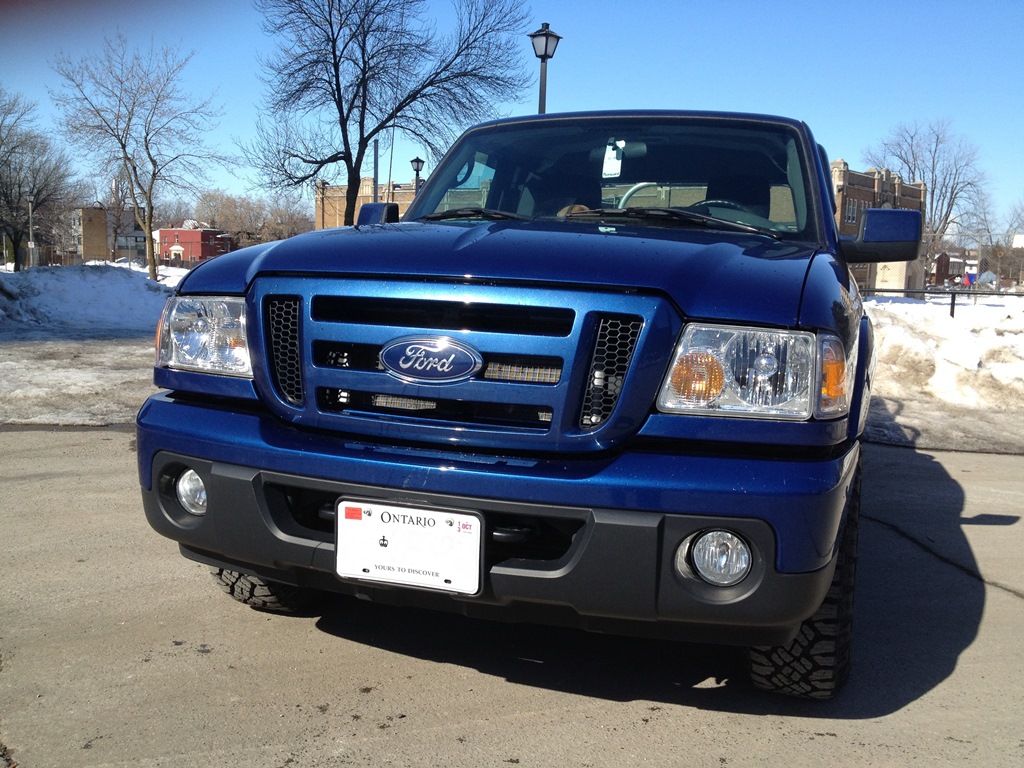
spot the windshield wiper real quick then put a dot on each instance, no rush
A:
(491, 214)
(675, 215)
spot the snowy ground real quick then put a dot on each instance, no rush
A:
(76, 348)
(952, 383)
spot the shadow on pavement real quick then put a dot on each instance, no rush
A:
(920, 596)
(919, 605)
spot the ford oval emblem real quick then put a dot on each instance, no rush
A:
(430, 359)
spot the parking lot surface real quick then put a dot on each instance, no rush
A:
(115, 651)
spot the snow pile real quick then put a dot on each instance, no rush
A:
(76, 343)
(86, 300)
(973, 360)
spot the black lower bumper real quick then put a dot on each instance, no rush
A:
(599, 569)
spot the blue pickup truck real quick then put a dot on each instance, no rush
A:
(609, 371)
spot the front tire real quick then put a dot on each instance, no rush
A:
(263, 595)
(816, 663)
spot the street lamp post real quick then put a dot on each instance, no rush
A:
(544, 43)
(417, 166)
(31, 237)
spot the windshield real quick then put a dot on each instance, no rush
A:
(746, 172)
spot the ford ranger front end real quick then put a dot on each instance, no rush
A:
(610, 371)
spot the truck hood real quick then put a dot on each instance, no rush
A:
(707, 274)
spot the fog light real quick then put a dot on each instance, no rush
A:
(719, 557)
(191, 492)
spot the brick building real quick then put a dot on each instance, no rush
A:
(97, 235)
(330, 200)
(188, 246)
(94, 233)
(857, 191)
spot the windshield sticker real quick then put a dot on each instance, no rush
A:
(613, 160)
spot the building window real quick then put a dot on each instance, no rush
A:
(851, 212)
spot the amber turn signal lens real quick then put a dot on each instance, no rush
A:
(833, 379)
(698, 377)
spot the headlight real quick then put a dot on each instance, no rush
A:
(754, 372)
(204, 334)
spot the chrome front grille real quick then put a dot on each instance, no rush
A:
(555, 366)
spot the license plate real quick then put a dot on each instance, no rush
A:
(425, 548)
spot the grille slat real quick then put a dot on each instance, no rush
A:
(435, 409)
(444, 315)
(524, 369)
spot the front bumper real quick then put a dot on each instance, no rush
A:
(606, 529)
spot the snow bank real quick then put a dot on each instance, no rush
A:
(88, 299)
(974, 360)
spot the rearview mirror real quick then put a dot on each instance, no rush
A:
(886, 234)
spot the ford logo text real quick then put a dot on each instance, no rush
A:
(430, 359)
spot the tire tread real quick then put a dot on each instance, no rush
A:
(263, 595)
(816, 663)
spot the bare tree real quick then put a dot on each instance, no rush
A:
(31, 167)
(1016, 221)
(252, 220)
(16, 118)
(980, 226)
(945, 162)
(127, 109)
(120, 211)
(215, 208)
(287, 216)
(17, 115)
(172, 213)
(242, 217)
(348, 72)
(1016, 227)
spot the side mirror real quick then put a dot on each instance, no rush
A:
(377, 213)
(886, 234)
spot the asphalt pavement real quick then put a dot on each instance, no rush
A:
(116, 651)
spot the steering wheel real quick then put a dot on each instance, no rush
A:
(633, 190)
(464, 176)
(706, 205)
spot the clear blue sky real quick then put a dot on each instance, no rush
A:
(852, 70)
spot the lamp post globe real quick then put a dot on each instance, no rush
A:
(417, 166)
